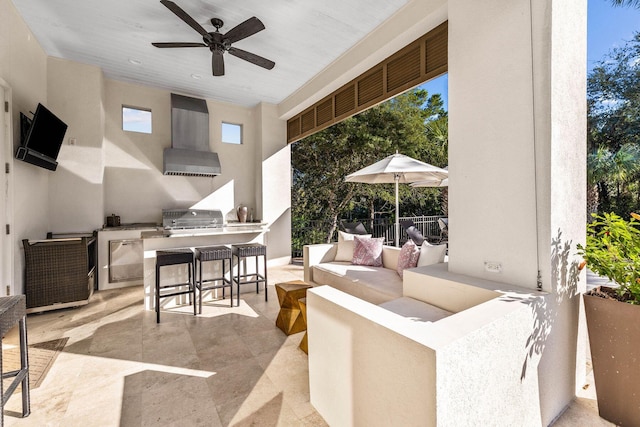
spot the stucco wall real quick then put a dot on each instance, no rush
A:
(491, 150)
(135, 157)
(562, 198)
(371, 367)
(23, 66)
(274, 178)
(76, 199)
(517, 121)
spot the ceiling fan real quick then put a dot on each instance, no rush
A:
(217, 42)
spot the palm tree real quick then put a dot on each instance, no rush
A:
(599, 165)
(632, 3)
(604, 167)
(438, 132)
(626, 162)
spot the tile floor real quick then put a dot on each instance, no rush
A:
(224, 367)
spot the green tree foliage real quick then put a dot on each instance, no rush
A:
(613, 101)
(413, 123)
(631, 3)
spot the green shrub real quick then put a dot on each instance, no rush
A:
(612, 250)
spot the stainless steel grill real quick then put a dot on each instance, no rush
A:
(191, 219)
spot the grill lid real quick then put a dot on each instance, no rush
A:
(192, 218)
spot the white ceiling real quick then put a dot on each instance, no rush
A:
(302, 37)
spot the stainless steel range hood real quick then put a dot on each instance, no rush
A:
(189, 154)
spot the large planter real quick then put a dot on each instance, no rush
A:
(614, 335)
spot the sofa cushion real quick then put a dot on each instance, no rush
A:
(345, 246)
(408, 257)
(431, 254)
(415, 310)
(367, 251)
(372, 284)
(390, 257)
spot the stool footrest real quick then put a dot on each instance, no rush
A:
(226, 283)
(259, 278)
(175, 293)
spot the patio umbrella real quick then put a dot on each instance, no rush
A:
(432, 182)
(397, 169)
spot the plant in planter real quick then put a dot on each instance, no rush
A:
(613, 315)
(613, 251)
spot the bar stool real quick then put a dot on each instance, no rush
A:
(242, 252)
(175, 257)
(213, 253)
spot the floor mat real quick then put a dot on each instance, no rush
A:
(41, 358)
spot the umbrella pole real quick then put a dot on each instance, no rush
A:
(397, 178)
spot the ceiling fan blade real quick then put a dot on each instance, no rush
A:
(244, 30)
(217, 63)
(179, 44)
(252, 57)
(184, 16)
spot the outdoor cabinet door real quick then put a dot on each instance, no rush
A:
(126, 260)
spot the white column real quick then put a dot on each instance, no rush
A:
(273, 164)
(517, 120)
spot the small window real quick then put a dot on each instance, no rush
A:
(136, 120)
(231, 133)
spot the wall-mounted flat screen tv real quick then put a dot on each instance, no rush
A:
(41, 138)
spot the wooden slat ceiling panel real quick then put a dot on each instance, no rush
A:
(416, 63)
(308, 120)
(436, 53)
(324, 112)
(403, 69)
(370, 87)
(293, 128)
(346, 100)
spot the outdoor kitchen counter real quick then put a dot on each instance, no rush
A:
(155, 240)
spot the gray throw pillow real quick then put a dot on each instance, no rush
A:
(413, 233)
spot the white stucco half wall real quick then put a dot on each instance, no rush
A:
(369, 366)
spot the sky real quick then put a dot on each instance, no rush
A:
(607, 27)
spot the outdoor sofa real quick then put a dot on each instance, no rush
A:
(331, 264)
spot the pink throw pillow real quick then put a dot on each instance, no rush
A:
(408, 257)
(367, 251)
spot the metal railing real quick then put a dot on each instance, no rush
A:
(307, 232)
